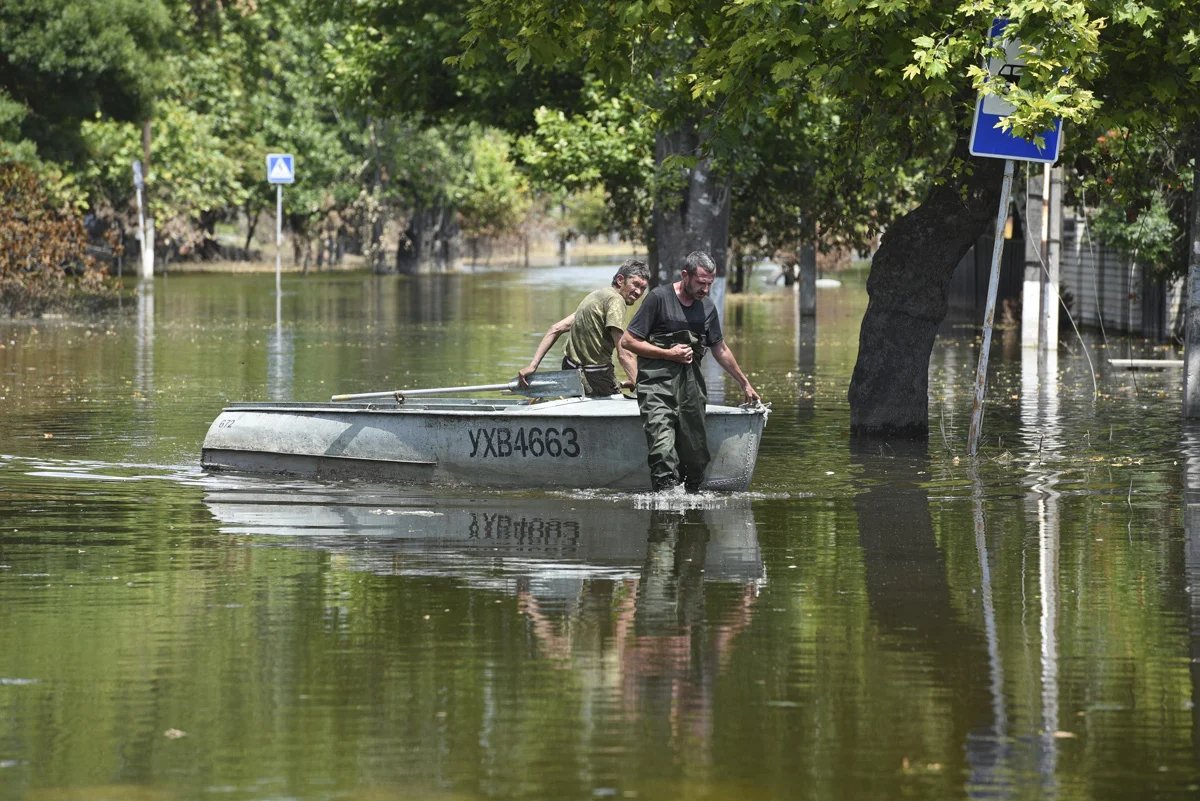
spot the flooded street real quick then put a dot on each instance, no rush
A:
(862, 624)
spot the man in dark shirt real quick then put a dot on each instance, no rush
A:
(670, 334)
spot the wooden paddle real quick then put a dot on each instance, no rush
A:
(552, 384)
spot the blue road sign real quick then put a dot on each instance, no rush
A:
(281, 168)
(988, 140)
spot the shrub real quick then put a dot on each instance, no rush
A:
(44, 260)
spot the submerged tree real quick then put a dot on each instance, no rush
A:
(898, 82)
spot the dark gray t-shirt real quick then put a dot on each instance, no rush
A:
(662, 313)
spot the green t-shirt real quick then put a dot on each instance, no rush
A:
(589, 341)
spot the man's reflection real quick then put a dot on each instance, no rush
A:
(667, 633)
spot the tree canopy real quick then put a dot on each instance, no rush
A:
(829, 118)
(64, 61)
(893, 81)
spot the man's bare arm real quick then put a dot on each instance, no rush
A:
(729, 364)
(628, 360)
(552, 335)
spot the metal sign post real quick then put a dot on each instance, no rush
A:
(281, 169)
(989, 312)
(146, 267)
(988, 140)
(278, 236)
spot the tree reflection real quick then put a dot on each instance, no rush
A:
(910, 603)
(1191, 485)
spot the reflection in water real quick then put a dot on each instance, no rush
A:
(281, 360)
(614, 594)
(1048, 550)
(1041, 430)
(989, 770)
(1041, 425)
(666, 641)
(1191, 518)
(909, 599)
(434, 299)
(671, 655)
(143, 367)
(484, 541)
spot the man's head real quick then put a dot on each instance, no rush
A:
(697, 275)
(631, 280)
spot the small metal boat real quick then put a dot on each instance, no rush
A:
(572, 442)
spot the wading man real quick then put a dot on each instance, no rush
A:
(594, 330)
(670, 334)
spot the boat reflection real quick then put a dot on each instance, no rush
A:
(491, 541)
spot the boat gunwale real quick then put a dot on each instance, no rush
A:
(455, 409)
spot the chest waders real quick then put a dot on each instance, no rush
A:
(671, 399)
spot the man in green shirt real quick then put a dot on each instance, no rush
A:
(594, 330)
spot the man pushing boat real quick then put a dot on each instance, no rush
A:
(670, 334)
(594, 330)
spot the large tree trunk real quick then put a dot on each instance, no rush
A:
(431, 243)
(907, 289)
(692, 213)
(376, 256)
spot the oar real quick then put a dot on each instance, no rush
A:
(553, 384)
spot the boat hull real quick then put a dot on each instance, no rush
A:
(568, 443)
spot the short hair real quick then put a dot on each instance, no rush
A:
(699, 260)
(632, 268)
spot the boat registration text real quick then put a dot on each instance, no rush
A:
(502, 442)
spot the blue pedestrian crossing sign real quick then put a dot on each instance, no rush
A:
(281, 168)
(992, 142)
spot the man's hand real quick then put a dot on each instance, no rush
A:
(751, 395)
(524, 373)
(680, 353)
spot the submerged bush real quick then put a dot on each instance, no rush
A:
(44, 260)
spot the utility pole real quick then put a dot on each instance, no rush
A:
(1051, 247)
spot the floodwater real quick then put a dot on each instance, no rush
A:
(875, 625)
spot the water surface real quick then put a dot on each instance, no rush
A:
(878, 624)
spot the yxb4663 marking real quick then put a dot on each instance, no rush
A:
(502, 442)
